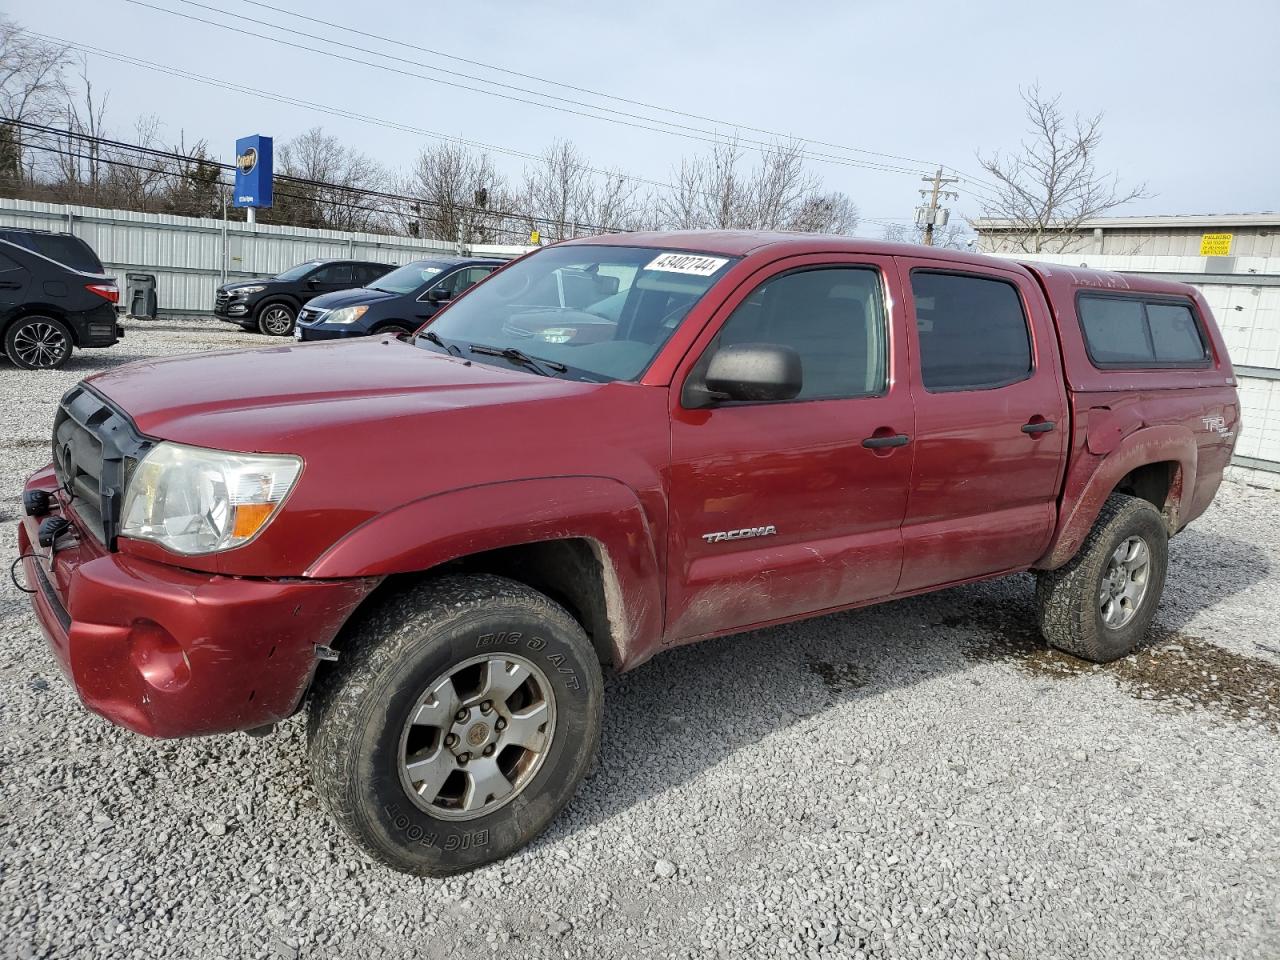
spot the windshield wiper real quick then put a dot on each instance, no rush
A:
(435, 338)
(536, 364)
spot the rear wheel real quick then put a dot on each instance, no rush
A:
(276, 320)
(1100, 605)
(38, 343)
(459, 721)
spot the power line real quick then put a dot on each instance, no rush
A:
(698, 135)
(569, 86)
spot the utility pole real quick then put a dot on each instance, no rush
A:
(929, 215)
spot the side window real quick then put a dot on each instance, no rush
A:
(833, 317)
(370, 272)
(1133, 332)
(469, 278)
(333, 273)
(973, 332)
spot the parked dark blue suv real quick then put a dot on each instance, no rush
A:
(398, 302)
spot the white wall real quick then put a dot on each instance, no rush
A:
(191, 256)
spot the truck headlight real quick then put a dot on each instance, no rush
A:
(345, 315)
(192, 500)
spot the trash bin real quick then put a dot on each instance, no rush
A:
(142, 295)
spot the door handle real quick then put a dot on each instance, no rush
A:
(9, 285)
(1037, 426)
(893, 440)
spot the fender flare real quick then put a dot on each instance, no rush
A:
(453, 524)
(1092, 478)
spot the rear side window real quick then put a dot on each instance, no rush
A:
(65, 249)
(1134, 332)
(973, 332)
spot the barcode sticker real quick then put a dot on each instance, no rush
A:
(691, 263)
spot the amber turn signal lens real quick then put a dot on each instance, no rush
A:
(249, 518)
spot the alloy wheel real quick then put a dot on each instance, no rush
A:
(1124, 582)
(477, 737)
(277, 320)
(40, 344)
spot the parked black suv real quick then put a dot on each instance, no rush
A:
(399, 302)
(271, 306)
(54, 295)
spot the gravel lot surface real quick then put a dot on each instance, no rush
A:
(921, 779)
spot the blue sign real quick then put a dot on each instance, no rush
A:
(253, 172)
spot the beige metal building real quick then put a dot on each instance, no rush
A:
(1250, 235)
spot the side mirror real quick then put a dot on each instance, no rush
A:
(439, 296)
(313, 283)
(752, 372)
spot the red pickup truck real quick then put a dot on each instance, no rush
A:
(610, 447)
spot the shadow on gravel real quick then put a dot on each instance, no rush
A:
(693, 707)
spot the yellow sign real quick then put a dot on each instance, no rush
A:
(1215, 245)
(534, 236)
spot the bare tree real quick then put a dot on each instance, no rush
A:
(32, 89)
(1046, 190)
(713, 191)
(563, 196)
(460, 195)
(331, 167)
(954, 236)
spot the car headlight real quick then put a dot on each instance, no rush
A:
(345, 315)
(192, 500)
(245, 291)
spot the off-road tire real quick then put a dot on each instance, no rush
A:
(22, 337)
(1067, 598)
(266, 319)
(359, 709)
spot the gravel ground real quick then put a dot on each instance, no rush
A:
(921, 779)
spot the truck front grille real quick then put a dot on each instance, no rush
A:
(95, 449)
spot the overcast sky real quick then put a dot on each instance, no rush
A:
(1190, 90)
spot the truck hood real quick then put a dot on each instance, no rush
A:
(275, 399)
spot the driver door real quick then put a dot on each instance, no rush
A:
(786, 508)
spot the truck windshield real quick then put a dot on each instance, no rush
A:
(601, 312)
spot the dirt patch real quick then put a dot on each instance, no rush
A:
(26, 443)
(839, 678)
(1173, 668)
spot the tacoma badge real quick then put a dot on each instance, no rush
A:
(744, 534)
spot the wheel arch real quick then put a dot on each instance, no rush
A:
(584, 541)
(1156, 464)
(40, 309)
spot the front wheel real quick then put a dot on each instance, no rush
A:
(460, 720)
(276, 320)
(1100, 604)
(38, 343)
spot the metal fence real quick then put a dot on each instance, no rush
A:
(191, 256)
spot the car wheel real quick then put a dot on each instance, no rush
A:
(276, 320)
(460, 719)
(394, 330)
(38, 343)
(1100, 604)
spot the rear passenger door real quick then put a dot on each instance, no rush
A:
(13, 283)
(991, 423)
(785, 508)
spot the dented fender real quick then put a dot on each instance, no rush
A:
(1092, 477)
(453, 524)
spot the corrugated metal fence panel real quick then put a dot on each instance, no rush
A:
(1249, 315)
(186, 253)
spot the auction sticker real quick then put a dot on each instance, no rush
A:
(692, 263)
